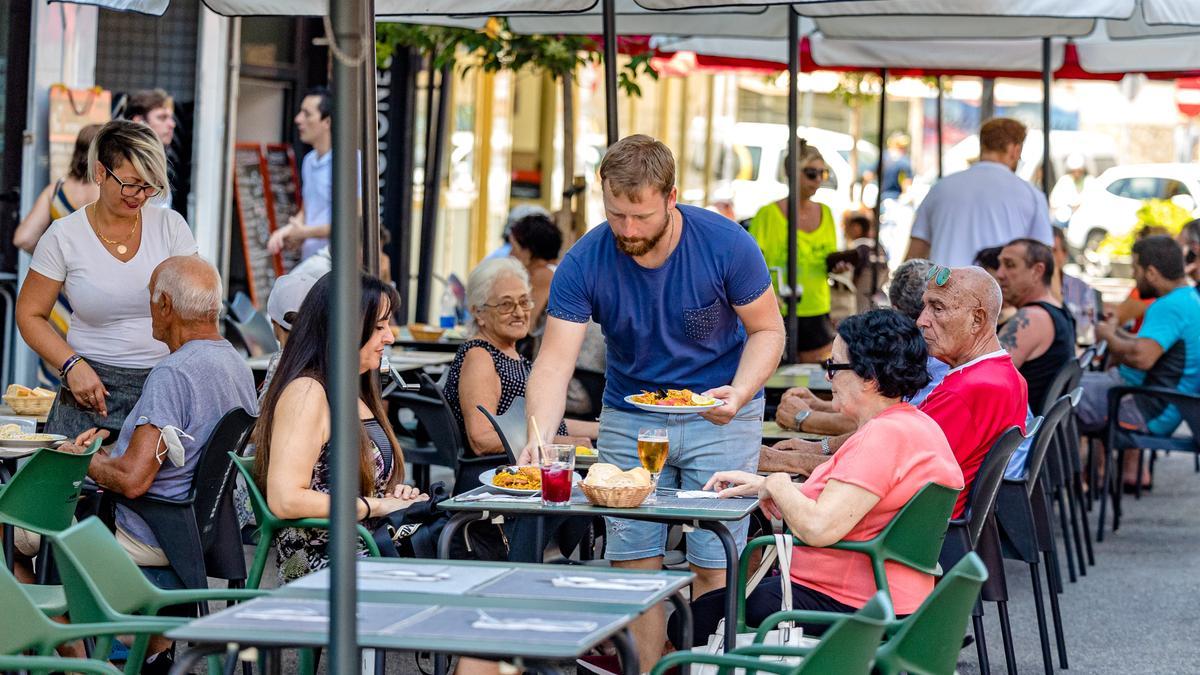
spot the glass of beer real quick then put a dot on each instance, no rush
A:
(652, 448)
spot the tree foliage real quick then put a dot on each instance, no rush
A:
(496, 48)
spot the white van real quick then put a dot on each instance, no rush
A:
(752, 166)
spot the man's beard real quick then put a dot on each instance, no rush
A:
(640, 246)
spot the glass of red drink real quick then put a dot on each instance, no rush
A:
(557, 463)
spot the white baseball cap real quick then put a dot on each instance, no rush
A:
(287, 295)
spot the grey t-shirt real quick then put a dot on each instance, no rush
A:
(190, 390)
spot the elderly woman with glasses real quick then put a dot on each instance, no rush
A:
(816, 238)
(487, 370)
(878, 361)
(101, 258)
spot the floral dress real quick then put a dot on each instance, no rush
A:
(303, 550)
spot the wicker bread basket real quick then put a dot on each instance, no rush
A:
(424, 332)
(616, 497)
(35, 406)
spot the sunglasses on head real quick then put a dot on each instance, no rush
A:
(815, 174)
(938, 275)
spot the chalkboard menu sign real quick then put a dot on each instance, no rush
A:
(256, 219)
(285, 191)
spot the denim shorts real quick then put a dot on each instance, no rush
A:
(698, 449)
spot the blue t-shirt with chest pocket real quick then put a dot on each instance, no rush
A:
(674, 326)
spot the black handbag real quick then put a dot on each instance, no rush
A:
(413, 532)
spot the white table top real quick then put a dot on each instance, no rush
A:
(399, 358)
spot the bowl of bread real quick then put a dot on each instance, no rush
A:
(26, 401)
(607, 485)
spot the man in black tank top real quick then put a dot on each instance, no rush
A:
(1041, 336)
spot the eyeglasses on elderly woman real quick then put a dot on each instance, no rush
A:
(832, 367)
(508, 306)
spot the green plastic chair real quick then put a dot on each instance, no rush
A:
(24, 628)
(913, 538)
(41, 498)
(926, 642)
(104, 585)
(929, 640)
(55, 664)
(269, 524)
(847, 648)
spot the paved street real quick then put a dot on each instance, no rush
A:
(1136, 611)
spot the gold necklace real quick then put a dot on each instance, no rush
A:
(122, 249)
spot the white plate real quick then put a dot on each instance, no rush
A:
(13, 444)
(673, 409)
(486, 479)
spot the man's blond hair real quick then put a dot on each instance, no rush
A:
(997, 134)
(635, 163)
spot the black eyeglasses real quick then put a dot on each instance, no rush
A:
(831, 367)
(133, 189)
(815, 174)
(938, 275)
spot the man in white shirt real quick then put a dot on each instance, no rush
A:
(309, 230)
(987, 205)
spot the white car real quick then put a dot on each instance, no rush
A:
(753, 166)
(1109, 204)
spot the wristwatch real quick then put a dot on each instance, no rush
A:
(800, 417)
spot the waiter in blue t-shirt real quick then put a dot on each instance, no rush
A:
(684, 298)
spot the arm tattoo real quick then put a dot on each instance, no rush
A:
(1010, 330)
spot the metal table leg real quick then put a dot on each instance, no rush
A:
(731, 566)
(191, 657)
(683, 641)
(627, 652)
(451, 528)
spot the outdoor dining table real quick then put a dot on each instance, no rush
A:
(773, 432)
(445, 343)
(707, 513)
(538, 615)
(809, 375)
(401, 359)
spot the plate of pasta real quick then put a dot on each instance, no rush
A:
(13, 436)
(673, 401)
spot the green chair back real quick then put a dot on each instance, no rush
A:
(23, 627)
(929, 640)
(849, 645)
(913, 538)
(269, 523)
(101, 581)
(42, 495)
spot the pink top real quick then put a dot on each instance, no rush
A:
(892, 456)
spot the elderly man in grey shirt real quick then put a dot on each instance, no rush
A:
(185, 395)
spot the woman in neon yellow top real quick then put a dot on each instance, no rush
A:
(816, 238)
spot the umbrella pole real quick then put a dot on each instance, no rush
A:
(793, 174)
(350, 19)
(883, 75)
(940, 116)
(1046, 76)
(370, 155)
(610, 71)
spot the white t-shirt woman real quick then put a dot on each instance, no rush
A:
(110, 299)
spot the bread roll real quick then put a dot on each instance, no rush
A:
(641, 477)
(599, 472)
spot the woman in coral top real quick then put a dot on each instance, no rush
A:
(878, 360)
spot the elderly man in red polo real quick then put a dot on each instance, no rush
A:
(981, 396)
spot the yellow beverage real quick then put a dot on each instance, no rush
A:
(653, 453)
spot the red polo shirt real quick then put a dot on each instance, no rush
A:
(973, 405)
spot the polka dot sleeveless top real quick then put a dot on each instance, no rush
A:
(514, 373)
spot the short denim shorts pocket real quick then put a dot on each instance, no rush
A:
(698, 324)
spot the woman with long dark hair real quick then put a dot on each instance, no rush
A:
(291, 438)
